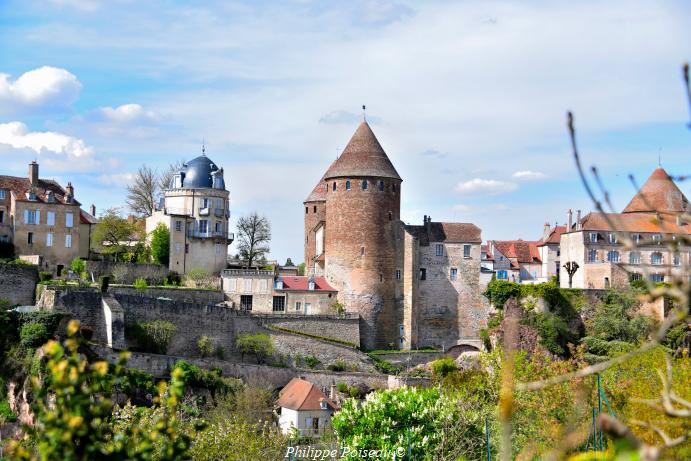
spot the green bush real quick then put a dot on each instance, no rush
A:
(78, 266)
(173, 279)
(342, 387)
(259, 345)
(220, 352)
(33, 335)
(205, 347)
(207, 379)
(45, 276)
(311, 361)
(384, 366)
(338, 366)
(160, 244)
(500, 291)
(155, 336)
(444, 366)
(140, 284)
(6, 412)
(103, 283)
(354, 392)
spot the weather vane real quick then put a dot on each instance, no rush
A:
(364, 113)
(203, 146)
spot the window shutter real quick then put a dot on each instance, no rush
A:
(38, 216)
(26, 216)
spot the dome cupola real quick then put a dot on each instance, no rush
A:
(199, 173)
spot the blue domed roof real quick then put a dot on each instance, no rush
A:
(201, 172)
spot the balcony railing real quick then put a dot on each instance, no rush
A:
(220, 212)
(204, 211)
(178, 211)
(210, 234)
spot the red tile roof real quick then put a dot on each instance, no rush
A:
(658, 193)
(450, 232)
(554, 236)
(21, 187)
(363, 156)
(664, 223)
(523, 251)
(86, 218)
(300, 283)
(303, 395)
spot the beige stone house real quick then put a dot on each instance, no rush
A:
(42, 220)
(550, 251)
(653, 216)
(411, 285)
(267, 292)
(195, 208)
(304, 408)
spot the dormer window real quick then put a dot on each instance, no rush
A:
(323, 405)
(657, 238)
(177, 181)
(31, 195)
(636, 238)
(50, 197)
(279, 283)
(310, 284)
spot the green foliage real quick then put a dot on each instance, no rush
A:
(33, 335)
(384, 366)
(173, 279)
(113, 234)
(342, 387)
(73, 410)
(134, 382)
(338, 308)
(259, 345)
(676, 335)
(311, 361)
(301, 269)
(232, 438)
(354, 392)
(154, 336)
(6, 412)
(196, 377)
(45, 276)
(160, 244)
(338, 366)
(555, 333)
(197, 274)
(78, 266)
(500, 291)
(444, 366)
(220, 352)
(140, 284)
(205, 347)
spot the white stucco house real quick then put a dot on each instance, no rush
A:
(303, 406)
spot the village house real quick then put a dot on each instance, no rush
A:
(594, 244)
(43, 220)
(304, 408)
(516, 260)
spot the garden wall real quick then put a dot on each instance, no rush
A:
(127, 273)
(185, 295)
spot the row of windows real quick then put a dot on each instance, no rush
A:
(364, 185)
(34, 217)
(453, 274)
(439, 250)
(656, 257)
(613, 238)
(49, 239)
(636, 276)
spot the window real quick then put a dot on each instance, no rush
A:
(423, 273)
(502, 275)
(381, 278)
(69, 219)
(362, 251)
(634, 257)
(217, 248)
(676, 259)
(203, 226)
(381, 186)
(205, 203)
(656, 258)
(49, 239)
(2, 216)
(454, 273)
(50, 218)
(187, 248)
(633, 276)
(612, 237)
(246, 302)
(398, 274)
(314, 210)
(606, 282)
(390, 216)
(2, 194)
(636, 238)
(248, 285)
(219, 226)
(466, 251)
(593, 237)
(592, 256)
(657, 278)
(440, 249)
(30, 238)
(178, 226)
(657, 238)
(347, 185)
(393, 187)
(32, 216)
(334, 186)
(279, 304)
(178, 248)
(68, 241)
(613, 256)
(307, 210)
(298, 305)
(264, 285)
(364, 185)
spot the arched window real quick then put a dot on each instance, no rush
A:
(381, 186)
(364, 184)
(606, 282)
(315, 209)
(334, 186)
(347, 185)
(613, 256)
(390, 216)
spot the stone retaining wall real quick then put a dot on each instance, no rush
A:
(18, 283)
(329, 326)
(127, 273)
(186, 295)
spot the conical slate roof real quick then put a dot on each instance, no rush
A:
(318, 194)
(363, 156)
(658, 194)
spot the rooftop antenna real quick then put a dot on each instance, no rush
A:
(364, 113)
(203, 146)
(659, 156)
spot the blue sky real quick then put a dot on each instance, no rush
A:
(467, 98)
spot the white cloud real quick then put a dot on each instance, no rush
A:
(486, 186)
(17, 135)
(45, 86)
(116, 179)
(461, 208)
(127, 113)
(528, 175)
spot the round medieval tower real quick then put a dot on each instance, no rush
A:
(363, 205)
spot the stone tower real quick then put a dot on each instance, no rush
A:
(363, 193)
(315, 217)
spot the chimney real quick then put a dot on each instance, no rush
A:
(578, 219)
(92, 210)
(33, 173)
(546, 230)
(424, 220)
(69, 193)
(332, 392)
(569, 220)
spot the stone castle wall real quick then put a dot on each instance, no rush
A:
(329, 326)
(126, 273)
(18, 283)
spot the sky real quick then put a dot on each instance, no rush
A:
(468, 99)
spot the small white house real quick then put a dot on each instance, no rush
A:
(303, 406)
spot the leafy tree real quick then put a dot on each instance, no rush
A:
(254, 235)
(205, 347)
(155, 336)
(500, 291)
(167, 176)
(142, 192)
(78, 265)
(260, 345)
(160, 244)
(113, 234)
(301, 269)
